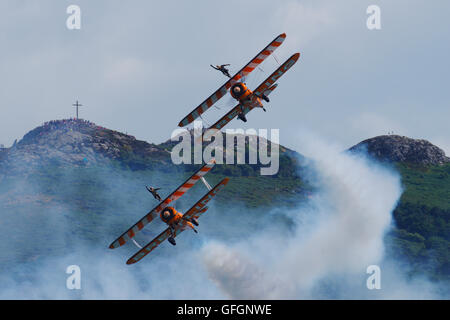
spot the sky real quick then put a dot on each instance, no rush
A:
(140, 67)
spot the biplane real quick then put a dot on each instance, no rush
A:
(247, 99)
(176, 221)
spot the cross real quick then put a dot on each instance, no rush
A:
(76, 104)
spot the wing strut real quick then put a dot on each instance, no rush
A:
(137, 244)
(206, 183)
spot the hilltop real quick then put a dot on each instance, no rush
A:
(397, 148)
(81, 143)
(421, 235)
(84, 148)
(78, 142)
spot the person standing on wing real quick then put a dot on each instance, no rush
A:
(154, 192)
(222, 69)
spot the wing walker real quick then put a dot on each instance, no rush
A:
(247, 99)
(176, 221)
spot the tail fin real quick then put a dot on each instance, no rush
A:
(202, 210)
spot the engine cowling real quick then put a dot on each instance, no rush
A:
(239, 91)
(167, 214)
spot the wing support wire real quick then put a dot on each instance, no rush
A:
(206, 183)
(137, 244)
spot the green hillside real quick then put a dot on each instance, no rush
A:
(426, 185)
(422, 234)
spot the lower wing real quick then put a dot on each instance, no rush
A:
(198, 208)
(149, 247)
(234, 112)
(266, 84)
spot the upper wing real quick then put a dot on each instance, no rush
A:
(196, 211)
(276, 74)
(130, 233)
(260, 57)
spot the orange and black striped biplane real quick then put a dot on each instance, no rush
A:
(247, 99)
(176, 221)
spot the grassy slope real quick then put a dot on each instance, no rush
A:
(422, 234)
(429, 186)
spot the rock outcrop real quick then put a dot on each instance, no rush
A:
(396, 148)
(76, 143)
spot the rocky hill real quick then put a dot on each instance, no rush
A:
(76, 143)
(396, 148)
(80, 143)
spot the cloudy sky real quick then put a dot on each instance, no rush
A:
(140, 67)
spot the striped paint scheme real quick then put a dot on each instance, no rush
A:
(234, 112)
(196, 211)
(266, 84)
(130, 233)
(260, 57)
(266, 87)
(149, 247)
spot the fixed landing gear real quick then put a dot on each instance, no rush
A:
(241, 116)
(265, 98)
(194, 221)
(172, 241)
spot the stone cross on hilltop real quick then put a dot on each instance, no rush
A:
(76, 104)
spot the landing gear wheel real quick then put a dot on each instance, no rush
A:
(194, 221)
(241, 116)
(172, 241)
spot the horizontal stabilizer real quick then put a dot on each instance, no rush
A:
(269, 91)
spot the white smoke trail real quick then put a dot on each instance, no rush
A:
(351, 215)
